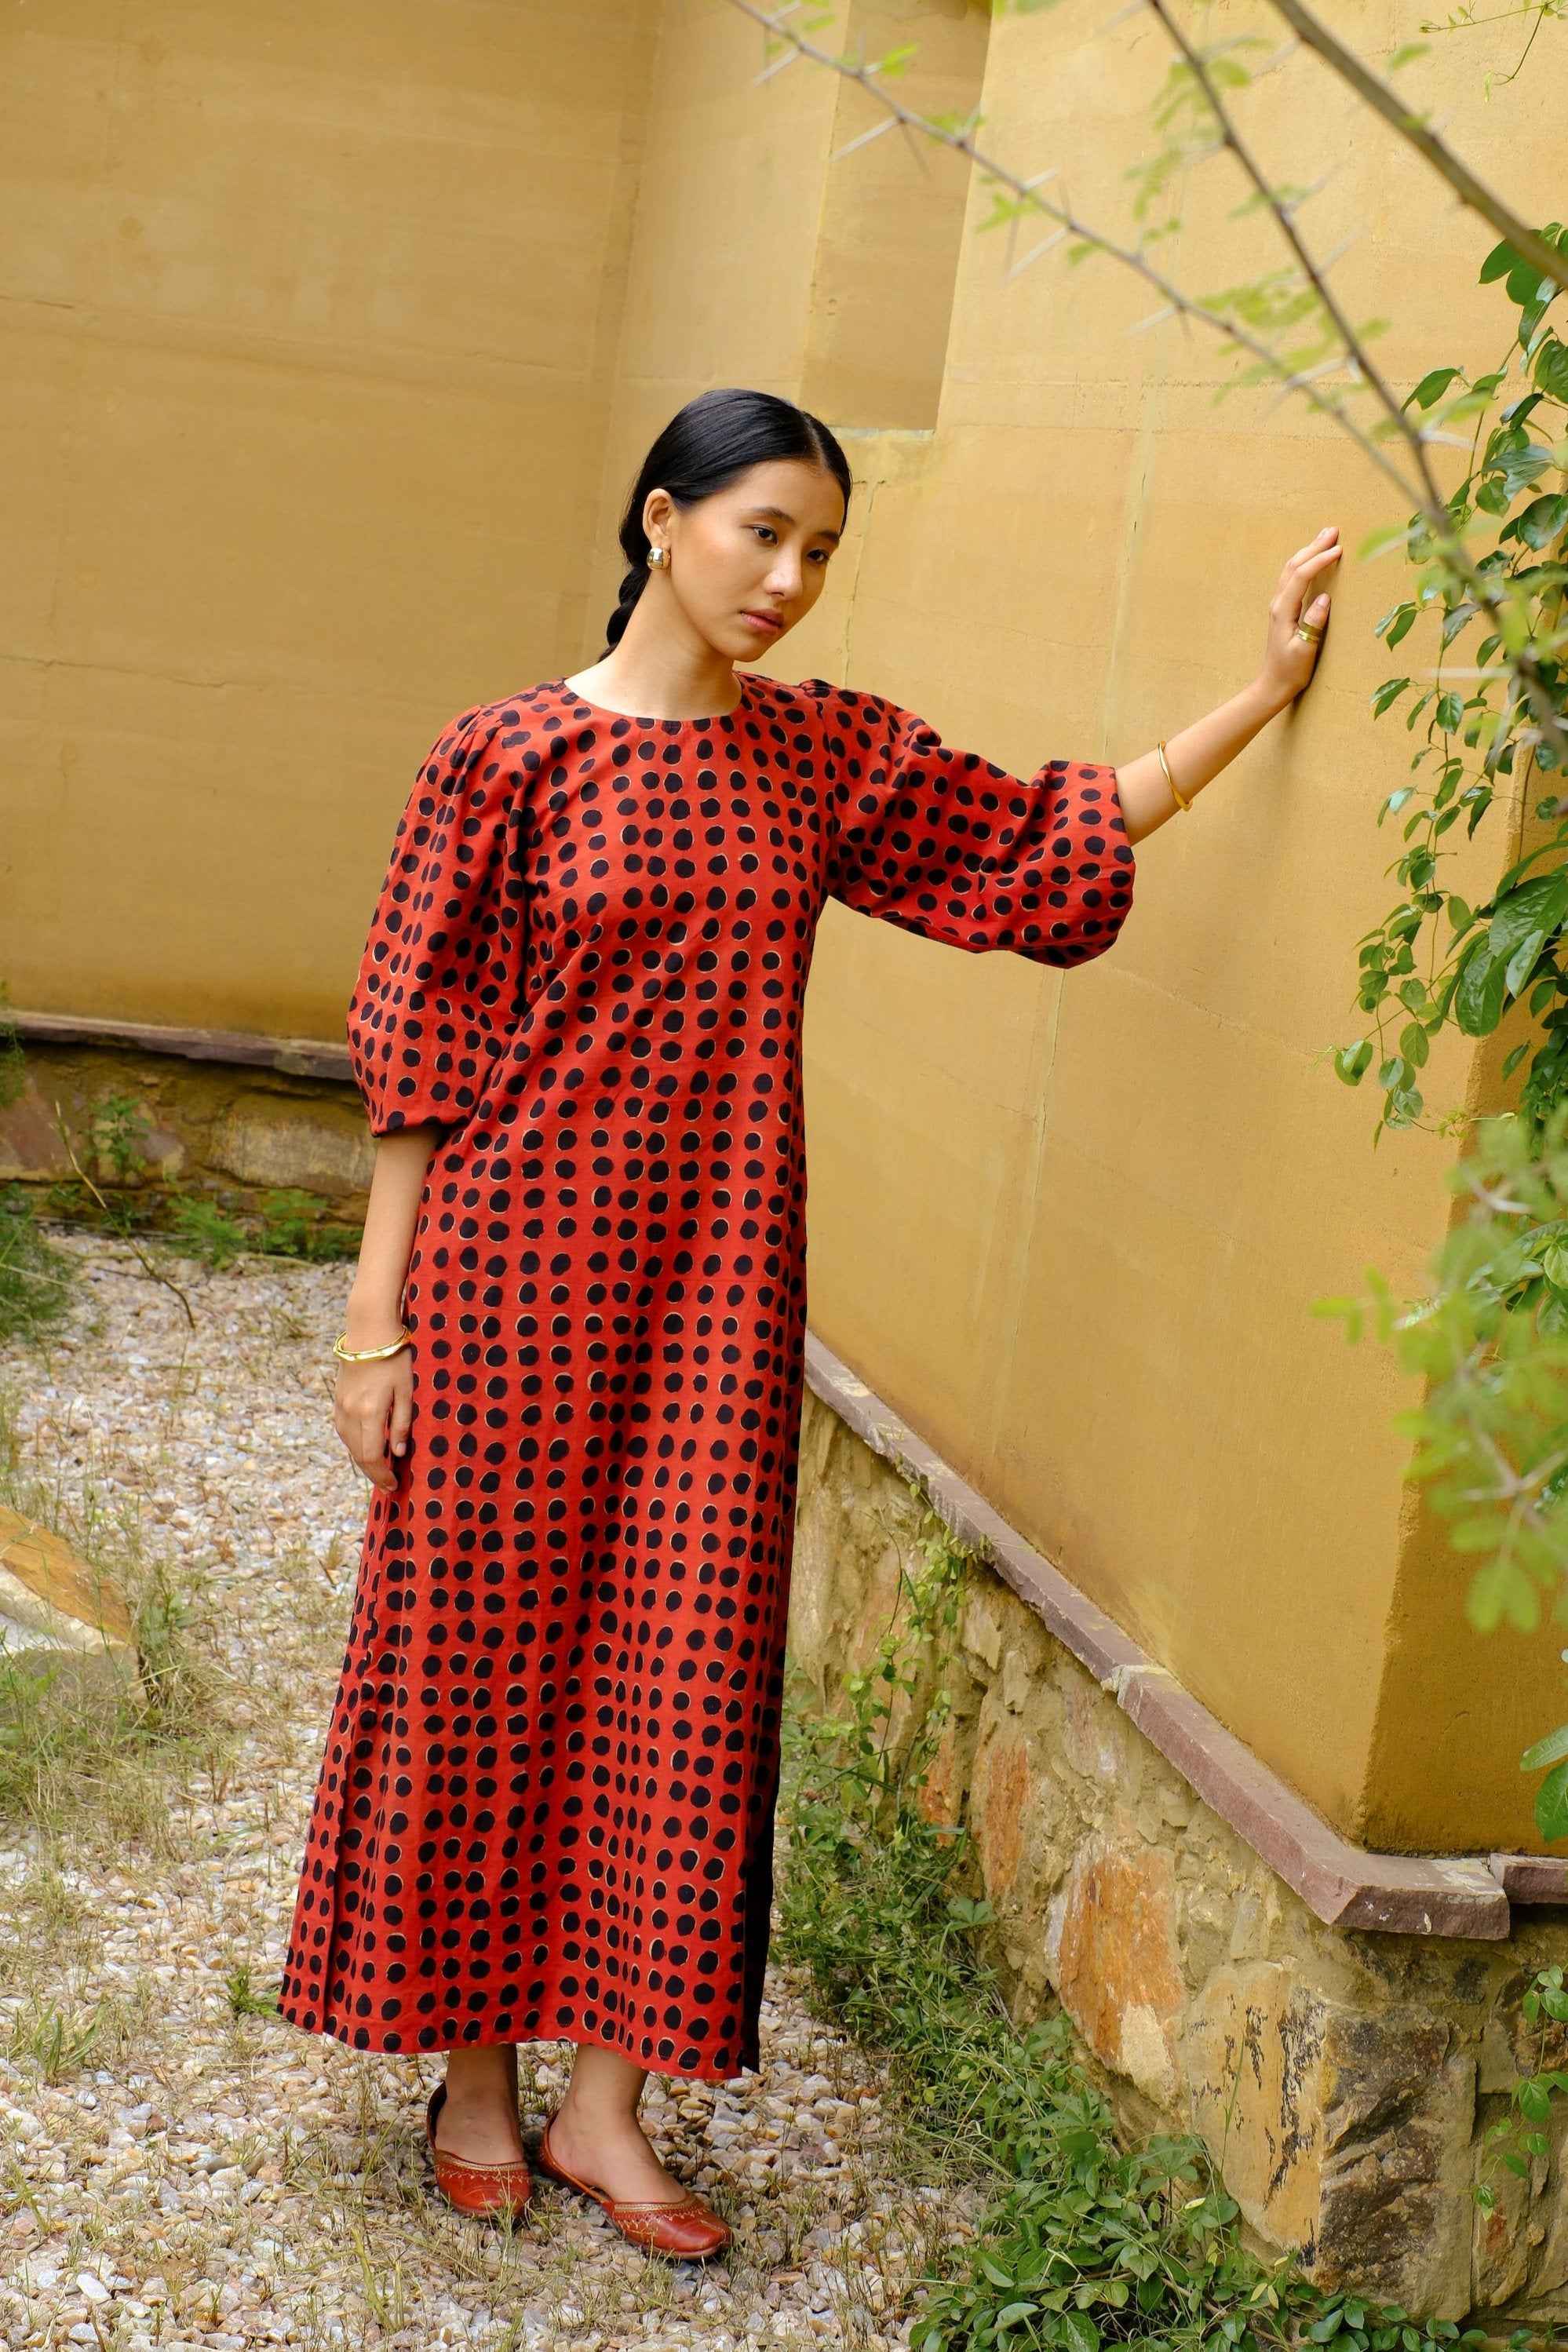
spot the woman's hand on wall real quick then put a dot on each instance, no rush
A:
(1148, 787)
(1301, 599)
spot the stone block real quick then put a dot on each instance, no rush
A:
(999, 1793)
(31, 1150)
(57, 1611)
(268, 1140)
(1398, 2111)
(1332, 2070)
(1118, 1972)
(1252, 2050)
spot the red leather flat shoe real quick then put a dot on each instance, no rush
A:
(469, 2188)
(686, 2228)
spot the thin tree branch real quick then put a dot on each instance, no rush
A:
(1470, 190)
(1315, 274)
(1026, 195)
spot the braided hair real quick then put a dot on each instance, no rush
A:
(712, 441)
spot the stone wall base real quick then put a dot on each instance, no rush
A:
(234, 1135)
(1343, 2081)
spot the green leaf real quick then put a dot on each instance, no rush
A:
(1080, 2332)
(1433, 386)
(1550, 1750)
(1447, 713)
(1351, 1063)
(1387, 694)
(1551, 1804)
(1543, 520)
(1524, 919)
(1551, 369)
(1520, 467)
(1415, 1044)
(1479, 998)
(1498, 262)
(1012, 2312)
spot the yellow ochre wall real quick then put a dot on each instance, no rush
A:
(336, 337)
(1073, 1231)
(310, 313)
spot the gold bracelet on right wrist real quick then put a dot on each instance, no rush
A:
(371, 1355)
(1175, 795)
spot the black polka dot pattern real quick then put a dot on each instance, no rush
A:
(545, 1810)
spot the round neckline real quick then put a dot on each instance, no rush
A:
(641, 718)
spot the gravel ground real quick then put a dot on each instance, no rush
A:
(179, 2171)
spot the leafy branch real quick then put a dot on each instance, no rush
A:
(1542, 256)
(1239, 320)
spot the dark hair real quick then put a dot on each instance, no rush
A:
(709, 444)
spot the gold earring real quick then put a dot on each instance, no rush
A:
(655, 559)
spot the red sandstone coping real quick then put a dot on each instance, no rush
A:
(298, 1057)
(1466, 1896)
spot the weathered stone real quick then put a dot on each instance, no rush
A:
(1331, 2071)
(1397, 2120)
(1117, 1974)
(31, 1147)
(1251, 2052)
(57, 1609)
(265, 1140)
(1000, 1792)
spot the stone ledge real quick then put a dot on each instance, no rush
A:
(299, 1057)
(1346, 1886)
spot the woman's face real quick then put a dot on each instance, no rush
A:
(744, 565)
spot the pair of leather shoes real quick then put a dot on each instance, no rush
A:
(686, 2228)
(483, 2189)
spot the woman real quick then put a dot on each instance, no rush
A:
(571, 1367)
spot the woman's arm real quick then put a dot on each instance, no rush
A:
(373, 1404)
(1201, 751)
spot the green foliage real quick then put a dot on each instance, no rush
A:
(1490, 710)
(35, 1277)
(283, 1226)
(104, 1741)
(246, 1998)
(1489, 1343)
(119, 1127)
(203, 1230)
(1082, 2242)
(1519, 2141)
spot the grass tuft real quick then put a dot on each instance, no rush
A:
(102, 1746)
(1082, 2241)
(35, 1278)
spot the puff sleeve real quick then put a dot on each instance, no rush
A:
(436, 999)
(946, 844)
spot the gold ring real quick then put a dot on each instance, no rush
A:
(1310, 632)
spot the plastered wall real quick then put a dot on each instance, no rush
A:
(337, 336)
(310, 319)
(1073, 1231)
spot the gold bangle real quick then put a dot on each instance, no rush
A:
(371, 1355)
(1175, 795)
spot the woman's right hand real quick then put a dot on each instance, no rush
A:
(373, 1411)
(373, 1404)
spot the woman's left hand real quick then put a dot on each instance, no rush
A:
(1289, 660)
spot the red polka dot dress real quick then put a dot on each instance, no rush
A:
(545, 1809)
